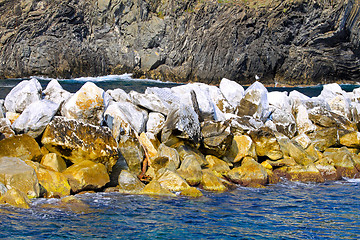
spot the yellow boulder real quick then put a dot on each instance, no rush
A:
(15, 198)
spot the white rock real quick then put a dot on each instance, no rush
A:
(35, 118)
(55, 93)
(293, 95)
(355, 112)
(280, 100)
(119, 95)
(232, 91)
(149, 101)
(220, 101)
(303, 140)
(284, 122)
(202, 92)
(166, 95)
(337, 99)
(255, 102)
(123, 116)
(356, 95)
(3, 189)
(303, 123)
(155, 123)
(245, 123)
(87, 104)
(22, 95)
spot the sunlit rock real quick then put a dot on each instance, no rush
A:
(119, 95)
(190, 170)
(5, 129)
(325, 138)
(220, 101)
(303, 140)
(172, 181)
(34, 119)
(217, 165)
(232, 91)
(155, 188)
(255, 102)
(249, 173)
(328, 119)
(86, 175)
(21, 146)
(349, 138)
(55, 183)
(53, 161)
(147, 145)
(300, 173)
(191, 192)
(132, 151)
(327, 169)
(303, 123)
(280, 100)
(170, 153)
(242, 146)
(243, 124)
(123, 116)
(266, 143)
(11, 116)
(78, 141)
(217, 137)
(15, 198)
(155, 123)
(87, 104)
(129, 183)
(185, 151)
(22, 95)
(149, 101)
(284, 122)
(343, 161)
(210, 182)
(337, 99)
(55, 93)
(15, 173)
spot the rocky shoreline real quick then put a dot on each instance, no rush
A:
(171, 141)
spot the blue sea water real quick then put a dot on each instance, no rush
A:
(287, 210)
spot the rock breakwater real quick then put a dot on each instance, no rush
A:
(166, 141)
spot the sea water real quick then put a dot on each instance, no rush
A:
(287, 210)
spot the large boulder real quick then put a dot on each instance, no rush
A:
(210, 182)
(283, 121)
(123, 116)
(266, 143)
(54, 183)
(300, 173)
(337, 99)
(78, 141)
(129, 183)
(132, 151)
(15, 198)
(325, 118)
(250, 173)
(217, 137)
(21, 146)
(280, 100)
(217, 165)
(172, 181)
(86, 175)
(22, 95)
(155, 188)
(119, 95)
(190, 170)
(255, 102)
(55, 93)
(303, 123)
(327, 169)
(242, 146)
(54, 162)
(219, 101)
(349, 138)
(325, 138)
(343, 161)
(87, 104)
(15, 173)
(149, 101)
(170, 153)
(155, 123)
(183, 122)
(35, 118)
(232, 91)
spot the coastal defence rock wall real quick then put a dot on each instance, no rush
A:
(288, 42)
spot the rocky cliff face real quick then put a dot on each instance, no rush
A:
(291, 41)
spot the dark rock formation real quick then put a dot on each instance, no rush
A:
(287, 41)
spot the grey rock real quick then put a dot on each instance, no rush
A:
(22, 95)
(34, 119)
(55, 93)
